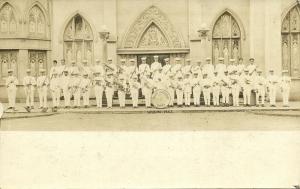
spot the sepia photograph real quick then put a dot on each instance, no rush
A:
(150, 66)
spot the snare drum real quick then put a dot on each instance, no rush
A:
(161, 99)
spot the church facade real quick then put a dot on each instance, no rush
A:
(35, 32)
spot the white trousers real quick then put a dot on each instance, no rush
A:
(261, 92)
(171, 92)
(246, 94)
(225, 94)
(148, 96)
(29, 93)
(206, 95)
(121, 96)
(187, 98)
(43, 96)
(109, 93)
(135, 97)
(216, 95)
(11, 94)
(67, 96)
(285, 96)
(179, 94)
(55, 97)
(76, 96)
(86, 97)
(272, 94)
(99, 94)
(235, 91)
(196, 95)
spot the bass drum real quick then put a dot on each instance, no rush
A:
(161, 99)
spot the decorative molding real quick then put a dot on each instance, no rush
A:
(150, 16)
(153, 51)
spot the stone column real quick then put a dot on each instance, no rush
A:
(104, 35)
(273, 35)
(257, 32)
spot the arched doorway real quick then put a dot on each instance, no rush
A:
(290, 33)
(152, 34)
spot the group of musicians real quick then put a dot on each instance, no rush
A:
(183, 80)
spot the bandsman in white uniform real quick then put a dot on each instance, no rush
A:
(55, 89)
(187, 89)
(144, 67)
(260, 88)
(206, 84)
(132, 69)
(75, 89)
(285, 85)
(186, 69)
(252, 67)
(98, 68)
(235, 87)
(122, 68)
(155, 66)
(240, 67)
(109, 88)
(196, 88)
(111, 67)
(86, 69)
(216, 82)
(220, 67)
(73, 68)
(66, 87)
(208, 68)
(148, 86)
(134, 90)
(11, 86)
(177, 66)
(54, 68)
(29, 83)
(247, 85)
(63, 67)
(171, 85)
(179, 90)
(122, 88)
(167, 67)
(272, 82)
(196, 68)
(42, 86)
(225, 90)
(85, 87)
(232, 67)
(99, 87)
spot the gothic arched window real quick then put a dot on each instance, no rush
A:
(78, 40)
(8, 21)
(290, 33)
(226, 38)
(36, 22)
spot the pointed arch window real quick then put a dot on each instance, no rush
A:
(8, 21)
(290, 33)
(78, 40)
(36, 22)
(226, 38)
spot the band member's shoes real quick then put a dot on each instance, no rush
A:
(286, 106)
(40, 107)
(273, 106)
(257, 105)
(262, 105)
(75, 106)
(85, 106)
